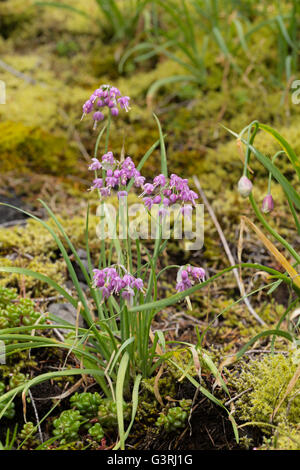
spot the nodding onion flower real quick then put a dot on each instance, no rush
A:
(117, 174)
(267, 204)
(244, 186)
(188, 276)
(110, 282)
(167, 191)
(105, 96)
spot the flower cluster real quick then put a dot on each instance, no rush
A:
(106, 95)
(117, 174)
(168, 191)
(110, 282)
(187, 276)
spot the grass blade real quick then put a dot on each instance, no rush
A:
(135, 401)
(163, 156)
(159, 304)
(119, 397)
(40, 277)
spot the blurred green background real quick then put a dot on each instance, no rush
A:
(196, 63)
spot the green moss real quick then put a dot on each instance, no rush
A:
(263, 384)
(286, 437)
(105, 63)
(35, 240)
(13, 15)
(35, 150)
(38, 252)
(56, 272)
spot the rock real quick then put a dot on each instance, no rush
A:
(66, 312)
(70, 286)
(83, 257)
(8, 214)
(82, 254)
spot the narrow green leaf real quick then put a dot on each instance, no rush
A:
(167, 81)
(159, 304)
(40, 277)
(119, 397)
(284, 334)
(285, 145)
(163, 156)
(142, 162)
(48, 376)
(135, 401)
(64, 6)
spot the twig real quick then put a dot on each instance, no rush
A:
(264, 351)
(237, 396)
(227, 250)
(48, 299)
(36, 416)
(64, 394)
(187, 317)
(59, 335)
(41, 299)
(11, 223)
(23, 76)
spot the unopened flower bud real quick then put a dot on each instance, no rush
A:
(268, 204)
(114, 111)
(244, 186)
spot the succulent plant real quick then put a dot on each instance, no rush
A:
(67, 426)
(87, 403)
(175, 418)
(96, 432)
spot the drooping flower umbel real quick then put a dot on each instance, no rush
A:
(110, 282)
(117, 174)
(188, 276)
(168, 191)
(106, 96)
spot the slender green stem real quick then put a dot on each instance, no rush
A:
(294, 213)
(270, 174)
(98, 140)
(107, 131)
(103, 253)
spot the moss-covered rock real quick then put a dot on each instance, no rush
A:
(34, 149)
